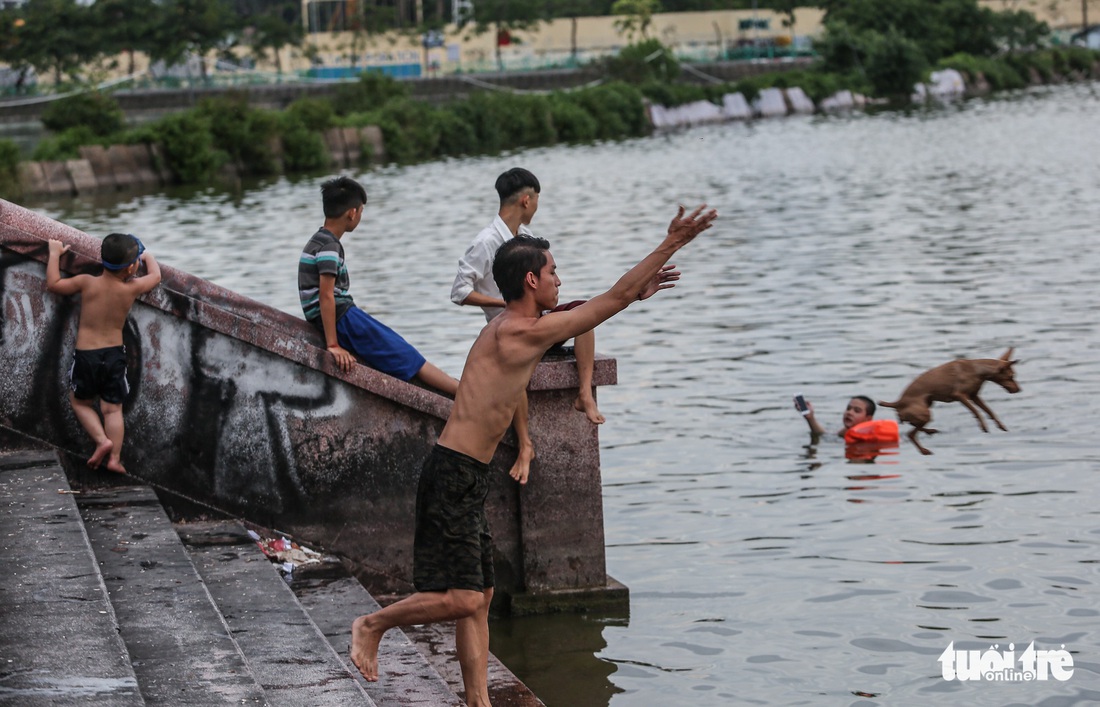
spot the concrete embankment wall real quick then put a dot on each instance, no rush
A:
(141, 166)
(238, 407)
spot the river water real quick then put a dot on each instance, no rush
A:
(852, 253)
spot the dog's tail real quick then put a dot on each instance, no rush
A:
(885, 404)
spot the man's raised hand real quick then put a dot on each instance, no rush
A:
(665, 278)
(683, 229)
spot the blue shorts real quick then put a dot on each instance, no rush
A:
(376, 345)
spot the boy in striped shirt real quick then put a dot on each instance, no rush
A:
(323, 288)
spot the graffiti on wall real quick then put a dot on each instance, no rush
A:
(213, 417)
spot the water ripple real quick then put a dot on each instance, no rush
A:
(853, 252)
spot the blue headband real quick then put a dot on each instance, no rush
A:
(141, 249)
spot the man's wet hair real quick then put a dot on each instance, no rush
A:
(512, 184)
(119, 249)
(870, 404)
(517, 257)
(340, 194)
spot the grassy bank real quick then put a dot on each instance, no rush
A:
(198, 144)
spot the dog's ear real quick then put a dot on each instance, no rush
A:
(1008, 355)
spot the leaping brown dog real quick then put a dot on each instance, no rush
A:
(955, 381)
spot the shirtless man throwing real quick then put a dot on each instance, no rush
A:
(452, 553)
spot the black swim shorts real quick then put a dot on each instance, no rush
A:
(453, 548)
(99, 373)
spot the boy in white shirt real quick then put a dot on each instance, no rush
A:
(474, 285)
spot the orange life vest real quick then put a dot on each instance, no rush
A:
(875, 431)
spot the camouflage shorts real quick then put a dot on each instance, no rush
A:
(453, 548)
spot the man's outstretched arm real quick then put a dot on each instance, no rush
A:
(640, 282)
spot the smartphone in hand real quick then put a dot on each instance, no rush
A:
(800, 405)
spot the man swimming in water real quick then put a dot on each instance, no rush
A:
(859, 409)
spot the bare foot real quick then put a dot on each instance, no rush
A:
(522, 468)
(115, 465)
(101, 450)
(364, 649)
(588, 407)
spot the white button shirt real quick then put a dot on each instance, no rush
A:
(475, 267)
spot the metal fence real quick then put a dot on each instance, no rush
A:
(225, 77)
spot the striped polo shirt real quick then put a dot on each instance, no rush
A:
(323, 255)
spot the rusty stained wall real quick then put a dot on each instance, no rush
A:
(236, 405)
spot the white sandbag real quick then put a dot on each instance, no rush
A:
(770, 103)
(701, 112)
(841, 100)
(735, 107)
(799, 102)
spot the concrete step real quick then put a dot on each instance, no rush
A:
(436, 643)
(288, 654)
(406, 678)
(179, 644)
(127, 609)
(59, 640)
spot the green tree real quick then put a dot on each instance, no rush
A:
(241, 131)
(126, 27)
(888, 41)
(194, 26)
(97, 112)
(938, 28)
(9, 169)
(502, 17)
(969, 28)
(843, 48)
(11, 50)
(1019, 30)
(645, 61)
(637, 17)
(895, 64)
(188, 146)
(53, 37)
(370, 92)
(787, 8)
(278, 25)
